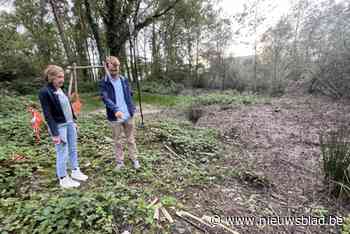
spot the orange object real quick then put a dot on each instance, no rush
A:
(18, 157)
(36, 122)
(74, 96)
(77, 104)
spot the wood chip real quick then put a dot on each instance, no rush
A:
(156, 213)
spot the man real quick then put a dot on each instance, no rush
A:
(62, 128)
(116, 95)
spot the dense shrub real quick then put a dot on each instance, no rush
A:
(26, 86)
(87, 87)
(160, 87)
(74, 212)
(191, 142)
(12, 105)
(332, 78)
(224, 99)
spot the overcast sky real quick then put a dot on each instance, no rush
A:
(277, 9)
(4, 5)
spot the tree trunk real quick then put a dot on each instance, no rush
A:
(60, 27)
(117, 27)
(197, 56)
(94, 29)
(155, 54)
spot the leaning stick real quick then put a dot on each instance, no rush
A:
(204, 221)
(175, 154)
(155, 200)
(156, 213)
(184, 213)
(70, 86)
(192, 223)
(167, 215)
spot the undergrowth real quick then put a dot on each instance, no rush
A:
(335, 149)
(32, 202)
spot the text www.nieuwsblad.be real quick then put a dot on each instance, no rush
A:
(276, 220)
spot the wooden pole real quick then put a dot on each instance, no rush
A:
(82, 67)
(75, 78)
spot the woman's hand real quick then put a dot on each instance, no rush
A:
(56, 140)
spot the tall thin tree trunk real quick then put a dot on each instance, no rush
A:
(189, 48)
(197, 56)
(132, 57)
(223, 72)
(255, 47)
(155, 55)
(146, 70)
(60, 27)
(126, 64)
(94, 29)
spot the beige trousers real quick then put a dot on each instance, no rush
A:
(129, 131)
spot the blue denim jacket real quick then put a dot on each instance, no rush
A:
(107, 93)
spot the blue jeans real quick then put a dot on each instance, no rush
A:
(67, 148)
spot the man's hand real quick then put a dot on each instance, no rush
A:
(119, 115)
(56, 140)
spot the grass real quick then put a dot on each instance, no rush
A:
(162, 100)
(91, 101)
(219, 98)
(335, 150)
(346, 225)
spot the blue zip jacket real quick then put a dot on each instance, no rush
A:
(52, 109)
(107, 93)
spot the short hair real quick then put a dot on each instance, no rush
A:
(51, 72)
(112, 60)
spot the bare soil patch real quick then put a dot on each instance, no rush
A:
(274, 147)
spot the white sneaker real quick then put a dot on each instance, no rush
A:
(74, 182)
(78, 175)
(120, 165)
(136, 164)
(67, 182)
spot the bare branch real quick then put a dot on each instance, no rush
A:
(157, 14)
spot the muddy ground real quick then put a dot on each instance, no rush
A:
(273, 151)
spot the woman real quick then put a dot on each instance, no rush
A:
(62, 128)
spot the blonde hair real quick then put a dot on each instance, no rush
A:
(51, 72)
(112, 60)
